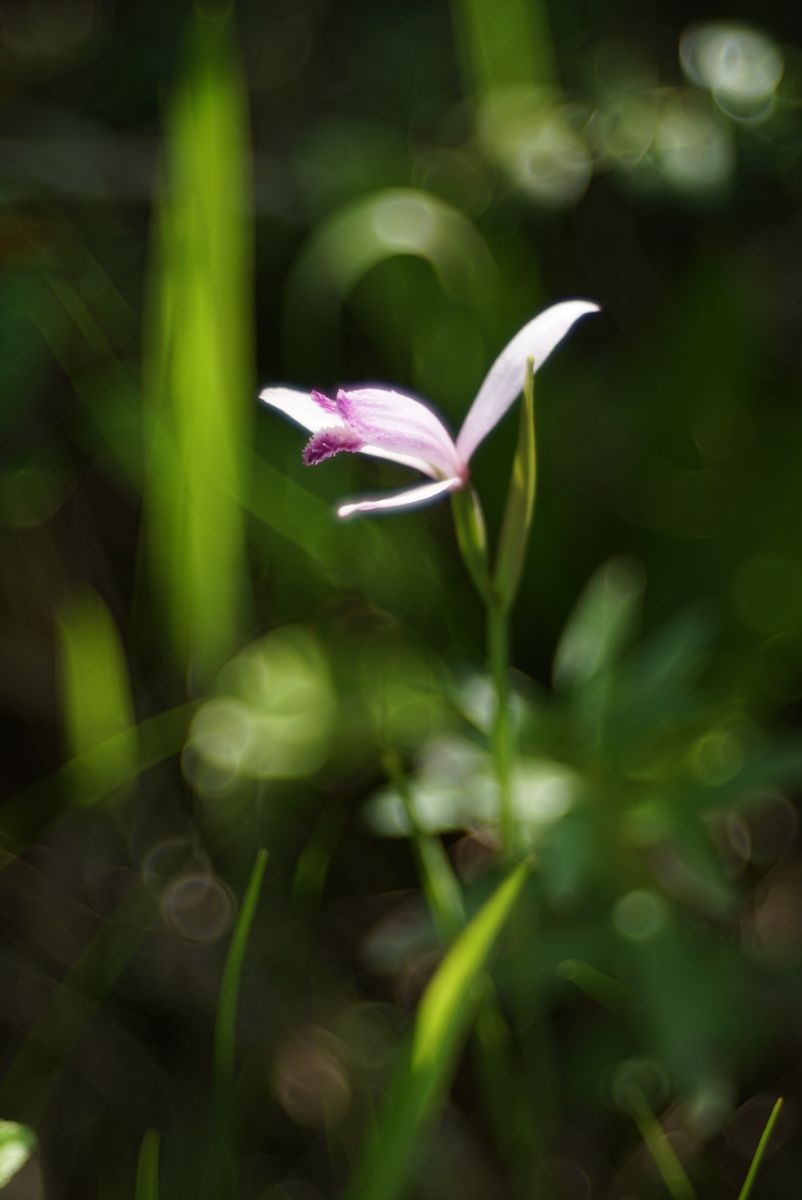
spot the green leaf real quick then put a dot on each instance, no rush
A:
(442, 1023)
(96, 702)
(754, 1166)
(662, 1152)
(147, 1172)
(220, 1166)
(520, 506)
(225, 1034)
(198, 374)
(600, 626)
(469, 525)
(17, 1144)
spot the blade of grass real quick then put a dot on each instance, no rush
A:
(665, 1158)
(225, 1032)
(198, 355)
(444, 1016)
(220, 1174)
(494, 1046)
(95, 693)
(147, 1171)
(754, 1166)
(503, 47)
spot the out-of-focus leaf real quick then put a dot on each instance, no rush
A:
(444, 1015)
(359, 236)
(503, 46)
(147, 1172)
(664, 1155)
(17, 1144)
(600, 626)
(440, 884)
(198, 359)
(95, 696)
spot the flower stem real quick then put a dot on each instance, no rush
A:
(498, 661)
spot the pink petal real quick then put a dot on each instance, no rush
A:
(504, 381)
(307, 410)
(400, 428)
(407, 499)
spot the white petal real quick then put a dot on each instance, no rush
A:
(504, 381)
(406, 460)
(407, 499)
(301, 408)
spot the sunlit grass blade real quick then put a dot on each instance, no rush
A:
(225, 1033)
(495, 1052)
(198, 359)
(657, 1143)
(442, 1023)
(96, 704)
(765, 1137)
(17, 1144)
(520, 505)
(147, 1172)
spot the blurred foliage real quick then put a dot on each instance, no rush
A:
(198, 660)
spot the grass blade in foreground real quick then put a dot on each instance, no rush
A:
(198, 355)
(225, 1032)
(95, 693)
(754, 1166)
(444, 1016)
(147, 1171)
(219, 1176)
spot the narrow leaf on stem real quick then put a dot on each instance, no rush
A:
(520, 506)
(469, 524)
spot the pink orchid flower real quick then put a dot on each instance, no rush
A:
(388, 424)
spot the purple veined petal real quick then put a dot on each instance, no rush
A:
(504, 381)
(303, 408)
(328, 442)
(409, 498)
(400, 428)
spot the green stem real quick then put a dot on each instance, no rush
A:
(498, 658)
